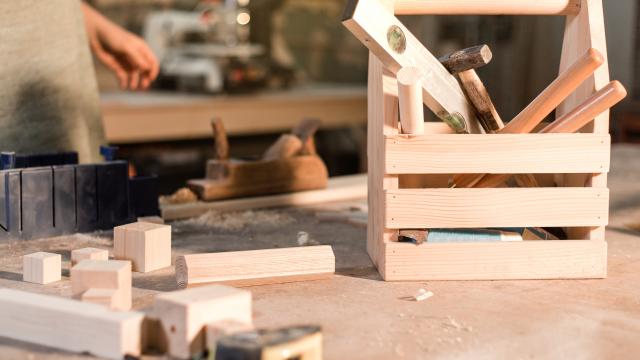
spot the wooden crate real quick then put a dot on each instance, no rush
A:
(579, 203)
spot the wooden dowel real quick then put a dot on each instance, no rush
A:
(597, 103)
(256, 267)
(410, 98)
(555, 93)
(487, 7)
(571, 122)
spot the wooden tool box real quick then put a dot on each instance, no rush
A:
(578, 202)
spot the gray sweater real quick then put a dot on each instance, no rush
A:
(48, 92)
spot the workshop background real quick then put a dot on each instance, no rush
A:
(284, 49)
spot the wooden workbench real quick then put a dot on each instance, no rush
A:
(150, 117)
(365, 318)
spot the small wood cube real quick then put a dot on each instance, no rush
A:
(106, 297)
(100, 274)
(146, 245)
(88, 254)
(42, 268)
(184, 314)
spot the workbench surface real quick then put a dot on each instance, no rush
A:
(365, 318)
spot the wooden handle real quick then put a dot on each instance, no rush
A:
(599, 102)
(487, 7)
(479, 96)
(555, 93)
(410, 98)
(220, 139)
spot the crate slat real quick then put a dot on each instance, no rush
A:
(498, 153)
(501, 207)
(562, 259)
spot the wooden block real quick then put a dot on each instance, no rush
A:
(151, 219)
(508, 207)
(498, 153)
(559, 259)
(185, 313)
(256, 267)
(217, 329)
(89, 253)
(146, 245)
(69, 325)
(105, 297)
(487, 7)
(100, 274)
(41, 268)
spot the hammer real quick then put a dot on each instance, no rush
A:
(463, 63)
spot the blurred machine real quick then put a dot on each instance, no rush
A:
(208, 49)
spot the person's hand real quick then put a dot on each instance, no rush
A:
(125, 54)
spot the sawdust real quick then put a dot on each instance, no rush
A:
(239, 220)
(182, 196)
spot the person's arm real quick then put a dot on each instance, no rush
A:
(124, 53)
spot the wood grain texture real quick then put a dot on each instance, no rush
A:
(496, 153)
(383, 120)
(508, 207)
(410, 99)
(339, 188)
(560, 259)
(467, 59)
(486, 7)
(69, 325)
(481, 100)
(256, 267)
(370, 22)
(146, 245)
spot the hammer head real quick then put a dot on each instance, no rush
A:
(467, 59)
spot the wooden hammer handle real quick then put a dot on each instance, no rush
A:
(573, 121)
(555, 93)
(597, 103)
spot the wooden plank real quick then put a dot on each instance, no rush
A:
(560, 259)
(504, 207)
(498, 154)
(487, 7)
(339, 188)
(583, 31)
(256, 267)
(370, 21)
(69, 325)
(148, 117)
(383, 120)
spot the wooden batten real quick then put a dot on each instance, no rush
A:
(487, 7)
(559, 259)
(502, 207)
(256, 267)
(498, 154)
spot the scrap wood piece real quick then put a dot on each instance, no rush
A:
(69, 325)
(391, 42)
(181, 196)
(339, 188)
(184, 314)
(256, 267)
